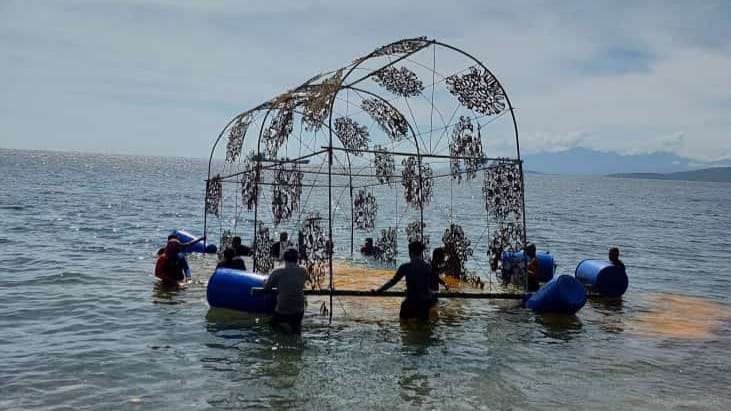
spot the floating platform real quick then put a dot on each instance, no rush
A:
(243, 291)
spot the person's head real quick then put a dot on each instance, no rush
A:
(438, 256)
(161, 251)
(291, 255)
(283, 236)
(613, 254)
(530, 250)
(229, 254)
(416, 248)
(369, 242)
(235, 242)
(172, 237)
(172, 247)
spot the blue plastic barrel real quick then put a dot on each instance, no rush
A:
(184, 237)
(562, 295)
(230, 288)
(546, 264)
(603, 277)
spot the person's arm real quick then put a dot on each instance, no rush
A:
(272, 281)
(390, 283)
(186, 268)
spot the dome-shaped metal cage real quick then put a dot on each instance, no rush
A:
(393, 147)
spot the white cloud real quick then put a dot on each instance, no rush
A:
(163, 76)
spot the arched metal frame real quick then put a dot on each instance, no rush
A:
(343, 84)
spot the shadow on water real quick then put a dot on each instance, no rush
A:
(417, 336)
(559, 326)
(260, 363)
(221, 320)
(236, 325)
(165, 293)
(612, 313)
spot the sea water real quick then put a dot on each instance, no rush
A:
(82, 324)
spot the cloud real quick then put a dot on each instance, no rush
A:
(163, 76)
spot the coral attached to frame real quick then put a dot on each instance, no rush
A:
(478, 90)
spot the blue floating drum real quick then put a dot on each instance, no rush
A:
(199, 247)
(230, 288)
(603, 277)
(546, 263)
(562, 295)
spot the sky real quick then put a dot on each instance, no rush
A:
(163, 77)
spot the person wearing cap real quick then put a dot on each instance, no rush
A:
(290, 283)
(419, 297)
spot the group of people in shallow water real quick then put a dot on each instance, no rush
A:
(422, 278)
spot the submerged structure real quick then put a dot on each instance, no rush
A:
(392, 147)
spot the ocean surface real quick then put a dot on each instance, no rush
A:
(83, 325)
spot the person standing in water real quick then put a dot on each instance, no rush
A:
(438, 267)
(614, 257)
(281, 246)
(290, 283)
(532, 268)
(230, 260)
(419, 297)
(171, 267)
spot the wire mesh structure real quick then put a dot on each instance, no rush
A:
(391, 145)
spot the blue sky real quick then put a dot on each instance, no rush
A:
(162, 77)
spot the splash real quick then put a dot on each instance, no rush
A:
(679, 316)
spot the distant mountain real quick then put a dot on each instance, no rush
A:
(583, 161)
(717, 174)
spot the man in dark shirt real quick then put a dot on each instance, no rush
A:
(419, 296)
(230, 260)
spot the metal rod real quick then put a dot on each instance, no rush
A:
(364, 293)
(354, 82)
(286, 185)
(405, 153)
(277, 162)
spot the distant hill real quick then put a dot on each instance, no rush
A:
(583, 161)
(716, 174)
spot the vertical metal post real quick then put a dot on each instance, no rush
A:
(331, 244)
(352, 220)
